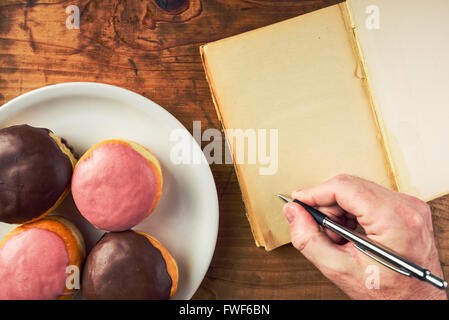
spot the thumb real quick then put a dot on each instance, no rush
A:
(314, 244)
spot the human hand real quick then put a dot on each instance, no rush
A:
(395, 220)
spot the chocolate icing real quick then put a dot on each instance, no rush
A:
(72, 150)
(34, 173)
(125, 266)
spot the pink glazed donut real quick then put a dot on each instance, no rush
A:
(34, 258)
(116, 184)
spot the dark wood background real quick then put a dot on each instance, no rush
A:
(152, 47)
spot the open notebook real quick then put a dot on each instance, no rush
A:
(361, 88)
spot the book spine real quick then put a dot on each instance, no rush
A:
(361, 71)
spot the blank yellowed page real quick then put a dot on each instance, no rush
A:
(408, 69)
(296, 76)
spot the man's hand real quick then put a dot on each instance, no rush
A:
(398, 221)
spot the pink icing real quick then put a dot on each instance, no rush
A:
(115, 188)
(33, 266)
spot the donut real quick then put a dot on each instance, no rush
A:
(116, 184)
(35, 173)
(34, 258)
(129, 265)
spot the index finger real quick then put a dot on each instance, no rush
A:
(354, 195)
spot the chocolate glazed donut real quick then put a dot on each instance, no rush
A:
(34, 173)
(125, 266)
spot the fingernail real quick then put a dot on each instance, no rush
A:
(289, 213)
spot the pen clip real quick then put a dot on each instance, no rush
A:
(405, 273)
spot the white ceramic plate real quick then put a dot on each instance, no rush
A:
(186, 218)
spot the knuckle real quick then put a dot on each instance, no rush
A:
(411, 218)
(420, 206)
(299, 242)
(342, 178)
(401, 209)
(415, 222)
(423, 208)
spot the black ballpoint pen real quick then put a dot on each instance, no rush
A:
(375, 251)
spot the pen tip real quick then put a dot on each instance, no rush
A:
(283, 198)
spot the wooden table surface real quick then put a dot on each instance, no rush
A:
(152, 47)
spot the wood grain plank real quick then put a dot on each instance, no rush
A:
(153, 50)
